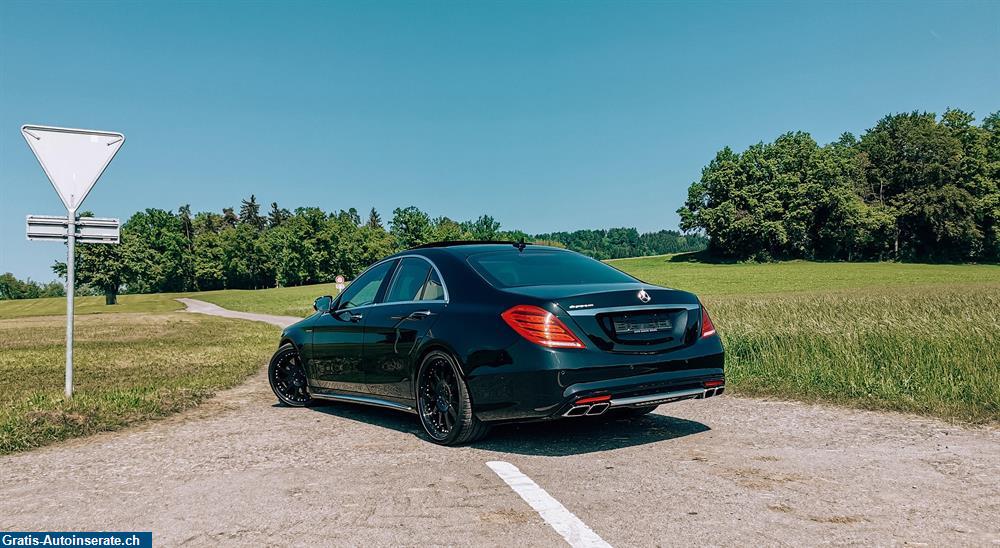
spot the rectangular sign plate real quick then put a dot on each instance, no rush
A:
(45, 227)
(89, 230)
(94, 230)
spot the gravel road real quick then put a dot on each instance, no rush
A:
(241, 470)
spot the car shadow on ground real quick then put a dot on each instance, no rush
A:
(577, 436)
(547, 438)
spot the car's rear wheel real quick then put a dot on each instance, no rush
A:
(288, 377)
(443, 402)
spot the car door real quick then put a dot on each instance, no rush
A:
(338, 336)
(414, 299)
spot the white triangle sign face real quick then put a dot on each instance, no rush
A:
(73, 159)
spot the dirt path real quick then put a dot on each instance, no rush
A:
(201, 307)
(240, 470)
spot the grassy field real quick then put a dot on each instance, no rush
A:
(907, 337)
(797, 276)
(128, 367)
(282, 301)
(88, 305)
(910, 337)
(933, 351)
(701, 278)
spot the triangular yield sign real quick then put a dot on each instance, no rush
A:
(73, 159)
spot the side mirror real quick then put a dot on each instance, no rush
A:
(323, 304)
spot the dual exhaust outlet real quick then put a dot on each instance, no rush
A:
(591, 409)
(597, 405)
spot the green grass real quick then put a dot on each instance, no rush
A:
(909, 337)
(128, 368)
(933, 351)
(702, 278)
(794, 276)
(56, 306)
(281, 301)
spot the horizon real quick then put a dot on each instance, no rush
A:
(458, 109)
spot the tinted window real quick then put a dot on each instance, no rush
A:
(408, 282)
(516, 269)
(363, 291)
(433, 290)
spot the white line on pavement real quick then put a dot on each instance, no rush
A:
(576, 532)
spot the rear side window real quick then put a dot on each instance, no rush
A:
(517, 269)
(408, 283)
(433, 290)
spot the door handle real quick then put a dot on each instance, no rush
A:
(415, 315)
(355, 318)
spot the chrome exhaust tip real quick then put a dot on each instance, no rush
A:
(709, 392)
(598, 408)
(577, 411)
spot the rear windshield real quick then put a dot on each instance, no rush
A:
(517, 269)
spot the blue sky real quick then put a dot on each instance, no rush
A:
(547, 115)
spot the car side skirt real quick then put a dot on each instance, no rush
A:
(364, 399)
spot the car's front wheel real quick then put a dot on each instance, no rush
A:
(288, 377)
(443, 402)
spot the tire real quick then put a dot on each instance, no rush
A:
(443, 402)
(288, 378)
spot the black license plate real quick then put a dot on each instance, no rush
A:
(641, 323)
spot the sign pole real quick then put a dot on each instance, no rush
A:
(70, 293)
(73, 160)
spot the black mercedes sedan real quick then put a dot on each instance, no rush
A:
(470, 334)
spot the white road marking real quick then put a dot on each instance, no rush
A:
(576, 532)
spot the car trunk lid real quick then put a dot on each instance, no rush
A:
(629, 318)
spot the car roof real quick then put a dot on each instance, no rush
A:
(465, 248)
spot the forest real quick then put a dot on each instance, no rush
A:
(914, 187)
(252, 248)
(13, 288)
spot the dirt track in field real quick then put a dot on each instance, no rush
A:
(240, 470)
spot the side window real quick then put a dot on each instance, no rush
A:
(409, 280)
(363, 291)
(433, 291)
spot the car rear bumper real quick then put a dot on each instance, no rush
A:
(591, 406)
(552, 388)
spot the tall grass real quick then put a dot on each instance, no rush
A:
(907, 337)
(785, 277)
(128, 367)
(932, 351)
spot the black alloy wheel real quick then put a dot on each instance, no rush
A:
(288, 377)
(443, 402)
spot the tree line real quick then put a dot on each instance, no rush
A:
(164, 251)
(914, 188)
(13, 288)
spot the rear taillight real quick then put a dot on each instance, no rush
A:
(594, 399)
(707, 327)
(540, 327)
